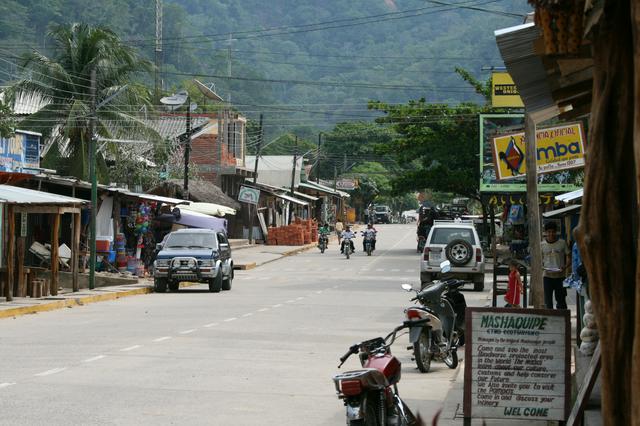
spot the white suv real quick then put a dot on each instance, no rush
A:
(457, 242)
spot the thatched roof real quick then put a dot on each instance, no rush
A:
(199, 191)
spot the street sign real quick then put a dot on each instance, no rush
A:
(346, 184)
(249, 195)
(504, 92)
(517, 364)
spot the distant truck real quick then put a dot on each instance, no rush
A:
(382, 213)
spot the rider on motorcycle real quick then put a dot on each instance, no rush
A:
(324, 232)
(369, 232)
(347, 233)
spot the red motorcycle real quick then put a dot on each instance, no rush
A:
(370, 395)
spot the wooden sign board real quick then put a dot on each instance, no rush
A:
(517, 364)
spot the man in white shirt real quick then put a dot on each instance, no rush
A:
(370, 232)
(556, 258)
(347, 233)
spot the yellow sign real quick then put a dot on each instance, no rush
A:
(557, 148)
(504, 92)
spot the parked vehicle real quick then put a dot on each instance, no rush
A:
(347, 247)
(370, 394)
(195, 255)
(456, 241)
(323, 242)
(381, 213)
(439, 338)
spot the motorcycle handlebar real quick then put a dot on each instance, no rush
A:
(352, 350)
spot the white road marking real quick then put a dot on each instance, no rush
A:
(263, 310)
(277, 306)
(335, 286)
(213, 324)
(6, 385)
(395, 270)
(188, 331)
(335, 269)
(319, 292)
(50, 372)
(247, 314)
(299, 298)
(380, 270)
(411, 270)
(130, 348)
(290, 301)
(288, 269)
(230, 319)
(95, 358)
(162, 339)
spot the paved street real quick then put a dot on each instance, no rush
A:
(261, 354)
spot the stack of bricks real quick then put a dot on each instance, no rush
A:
(299, 233)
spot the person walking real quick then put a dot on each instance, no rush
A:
(556, 258)
(515, 287)
(339, 228)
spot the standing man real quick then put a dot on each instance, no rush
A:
(339, 228)
(556, 258)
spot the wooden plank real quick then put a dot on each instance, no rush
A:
(11, 232)
(75, 248)
(55, 229)
(21, 288)
(575, 418)
(45, 209)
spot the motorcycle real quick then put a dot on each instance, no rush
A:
(368, 244)
(444, 306)
(370, 395)
(347, 247)
(422, 240)
(323, 242)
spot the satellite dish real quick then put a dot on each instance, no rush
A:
(176, 100)
(193, 107)
(208, 91)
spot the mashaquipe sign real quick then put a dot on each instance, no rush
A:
(517, 364)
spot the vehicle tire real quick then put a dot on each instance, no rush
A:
(459, 252)
(422, 350)
(370, 410)
(478, 285)
(322, 248)
(452, 360)
(348, 253)
(226, 283)
(215, 284)
(160, 285)
(174, 286)
(369, 250)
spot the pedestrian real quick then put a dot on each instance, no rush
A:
(556, 258)
(515, 287)
(339, 228)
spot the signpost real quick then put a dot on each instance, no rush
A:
(517, 364)
(504, 92)
(249, 195)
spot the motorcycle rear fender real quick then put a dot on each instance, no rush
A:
(370, 378)
(414, 334)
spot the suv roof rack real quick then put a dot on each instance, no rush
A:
(449, 221)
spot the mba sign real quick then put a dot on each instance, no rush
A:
(557, 148)
(20, 153)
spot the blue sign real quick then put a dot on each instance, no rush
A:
(20, 153)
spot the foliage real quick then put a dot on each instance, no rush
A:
(63, 82)
(7, 122)
(285, 144)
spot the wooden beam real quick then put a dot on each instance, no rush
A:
(54, 254)
(21, 287)
(45, 209)
(10, 253)
(75, 248)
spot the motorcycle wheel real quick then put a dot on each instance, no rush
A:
(321, 248)
(348, 253)
(369, 251)
(422, 351)
(370, 412)
(452, 359)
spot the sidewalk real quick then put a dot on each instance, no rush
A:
(245, 257)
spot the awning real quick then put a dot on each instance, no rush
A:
(23, 196)
(321, 188)
(574, 208)
(305, 196)
(570, 196)
(292, 199)
(194, 220)
(209, 209)
(150, 197)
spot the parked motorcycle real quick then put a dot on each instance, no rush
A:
(323, 242)
(347, 247)
(444, 306)
(370, 395)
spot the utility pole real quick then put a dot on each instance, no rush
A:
(229, 64)
(158, 50)
(533, 208)
(94, 183)
(187, 151)
(335, 177)
(318, 158)
(295, 161)
(255, 179)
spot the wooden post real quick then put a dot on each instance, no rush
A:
(75, 246)
(21, 287)
(54, 255)
(533, 209)
(10, 253)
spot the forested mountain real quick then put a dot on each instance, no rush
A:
(305, 63)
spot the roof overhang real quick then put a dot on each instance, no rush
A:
(568, 197)
(565, 211)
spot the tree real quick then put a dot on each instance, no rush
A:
(63, 82)
(7, 122)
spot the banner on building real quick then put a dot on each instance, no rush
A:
(20, 153)
(504, 92)
(346, 184)
(557, 148)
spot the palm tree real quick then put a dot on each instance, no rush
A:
(62, 83)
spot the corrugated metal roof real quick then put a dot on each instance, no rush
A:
(306, 196)
(172, 127)
(517, 48)
(292, 199)
(322, 188)
(570, 196)
(562, 212)
(17, 195)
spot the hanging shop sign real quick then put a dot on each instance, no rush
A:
(504, 92)
(517, 364)
(557, 148)
(346, 184)
(20, 153)
(249, 195)
(502, 199)
(560, 155)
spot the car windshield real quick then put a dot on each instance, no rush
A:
(191, 240)
(446, 235)
(381, 208)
